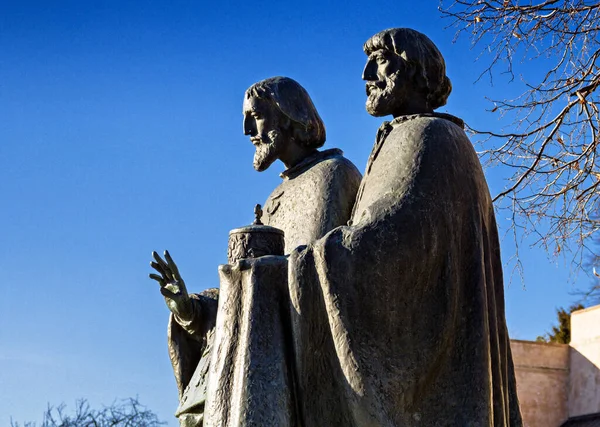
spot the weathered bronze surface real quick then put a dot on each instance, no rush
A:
(316, 195)
(255, 240)
(398, 319)
(395, 319)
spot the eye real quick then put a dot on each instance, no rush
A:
(381, 60)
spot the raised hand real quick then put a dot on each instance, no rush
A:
(172, 286)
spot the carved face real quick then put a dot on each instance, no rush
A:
(388, 83)
(262, 124)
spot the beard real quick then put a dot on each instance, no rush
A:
(383, 96)
(267, 151)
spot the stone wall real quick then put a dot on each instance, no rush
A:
(542, 372)
(584, 387)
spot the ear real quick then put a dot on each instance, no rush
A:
(419, 78)
(284, 122)
(300, 134)
(287, 127)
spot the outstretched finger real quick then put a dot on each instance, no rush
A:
(167, 293)
(172, 266)
(164, 273)
(158, 259)
(158, 278)
(163, 269)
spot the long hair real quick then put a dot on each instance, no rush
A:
(293, 101)
(419, 51)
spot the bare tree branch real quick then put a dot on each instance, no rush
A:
(550, 138)
(121, 413)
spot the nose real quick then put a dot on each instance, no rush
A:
(249, 126)
(370, 71)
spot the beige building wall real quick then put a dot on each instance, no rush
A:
(542, 373)
(584, 384)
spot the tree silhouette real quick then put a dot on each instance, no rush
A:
(122, 413)
(550, 139)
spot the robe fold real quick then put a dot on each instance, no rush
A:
(250, 378)
(398, 319)
(219, 368)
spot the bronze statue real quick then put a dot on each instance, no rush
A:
(316, 195)
(398, 318)
(319, 187)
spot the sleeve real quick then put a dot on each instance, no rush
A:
(187, 340)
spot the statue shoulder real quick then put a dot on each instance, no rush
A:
(340, 165)
(429, 123)
(211, 293)
(437, 145)
(430, 131)
(334, 173)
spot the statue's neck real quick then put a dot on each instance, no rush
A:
(294, 154)
(413, 105)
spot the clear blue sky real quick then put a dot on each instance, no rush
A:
(121, 133)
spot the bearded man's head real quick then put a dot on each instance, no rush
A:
(404, 65)
(278, 111)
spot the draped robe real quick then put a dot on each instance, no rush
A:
(244, 320)
(398, 319)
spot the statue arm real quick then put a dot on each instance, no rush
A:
(195, 314)
(188, 342)
(202, 316)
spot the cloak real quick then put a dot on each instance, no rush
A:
(398, 319)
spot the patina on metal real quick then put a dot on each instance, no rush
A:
(255, 240)
(214, 334)
(395, 319)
